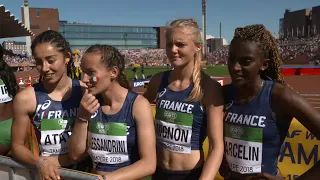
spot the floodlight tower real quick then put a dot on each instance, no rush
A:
(204, 26)
(27, 24)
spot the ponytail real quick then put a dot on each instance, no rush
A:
(197, 79)
(71, 69)
(122, 79)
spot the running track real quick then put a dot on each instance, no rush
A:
(305, 85)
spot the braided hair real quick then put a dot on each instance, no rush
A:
(8, 78)
(61, 45)
(259, 34)
(111, 57)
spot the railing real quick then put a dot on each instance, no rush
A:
(13, 170)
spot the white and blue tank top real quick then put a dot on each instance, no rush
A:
(181, 126)
(252, 136)
(53, 120)
(112, 139)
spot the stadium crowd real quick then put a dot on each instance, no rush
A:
(290, 49)
(14, 59)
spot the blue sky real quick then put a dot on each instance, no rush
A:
(231, 13)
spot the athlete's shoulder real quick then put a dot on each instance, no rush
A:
(210, 84)
(141, 100)
(157, 77)
(26, 97)
(207, 80)
(212, 91)
(140, 105)
(27, 92)
(282, 91)
(296, 105)
(153, 86)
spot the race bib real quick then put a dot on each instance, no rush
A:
(108, 142)
(174, 130)
(243, 148)
(4, 95)
(55, 134)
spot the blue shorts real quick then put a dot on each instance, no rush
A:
(163, 174)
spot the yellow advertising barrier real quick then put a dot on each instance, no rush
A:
(300, 151)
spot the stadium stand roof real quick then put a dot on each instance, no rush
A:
(11, 26)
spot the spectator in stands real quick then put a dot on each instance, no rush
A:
(186, 96)
(142, 72)
(259, 108)
(117, 128)
(8, 90)
(50, 106)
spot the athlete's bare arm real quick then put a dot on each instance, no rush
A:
(152, 88)
(213, 102)
(298, 107)
(146, 144)
(24, 105)
(78, 142)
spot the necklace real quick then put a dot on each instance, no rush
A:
(246, 100)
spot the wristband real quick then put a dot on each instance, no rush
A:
(83, 119)
(42, 160)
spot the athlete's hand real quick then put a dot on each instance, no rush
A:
(102, 177)
(266, 176)
(48, 170)
(88, 105)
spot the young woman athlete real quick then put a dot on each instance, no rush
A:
(51, 105)
(8, 90)
(259, 108)
(115, 125)
(189, 104)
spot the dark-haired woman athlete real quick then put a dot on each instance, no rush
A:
(51, 105)
(259, 108)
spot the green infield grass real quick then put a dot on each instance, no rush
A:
(150, 71)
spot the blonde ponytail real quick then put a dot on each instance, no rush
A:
(197, 78)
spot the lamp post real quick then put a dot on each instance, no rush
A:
(204, 24)
(27, 24)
